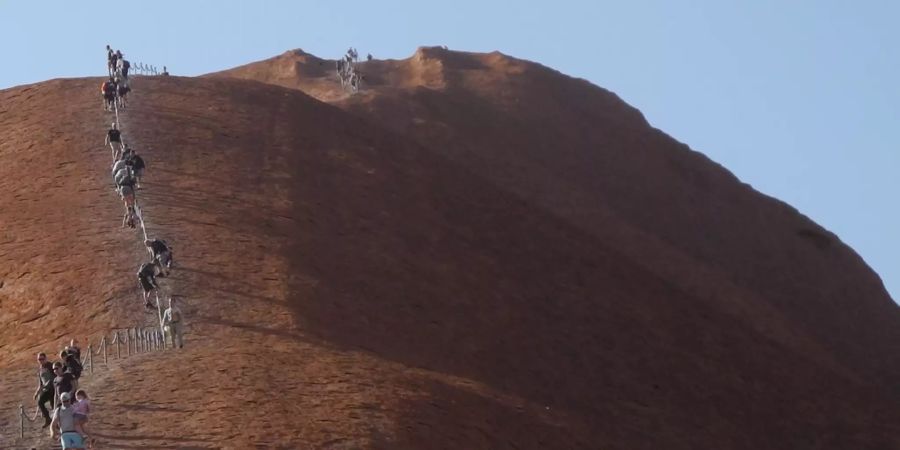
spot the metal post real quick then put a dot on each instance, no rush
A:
(128, 341)
(105, 351)
(118, 342)
(90, 360)
(21, 421)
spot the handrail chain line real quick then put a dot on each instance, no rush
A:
(136, 339)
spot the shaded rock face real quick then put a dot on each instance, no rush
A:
(473, 252)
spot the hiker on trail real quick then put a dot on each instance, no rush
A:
(64, 381)
(165, 72)
(45, 390)
(73, 349)
(130, 219)
(125, 67)
(111, 60)
(122, 67)
(114, 139)
(82, 410)
(108, 89)
(160, 252)
(172, 324)
(137, 166)
(147, 278)
(355, 80)
(70, 364)
(369, 57)
(64, 422)
(121, 162)
(122, 91)
(124, 178)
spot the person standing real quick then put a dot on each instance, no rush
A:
(172, 323)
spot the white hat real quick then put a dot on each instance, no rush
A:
(64, 396)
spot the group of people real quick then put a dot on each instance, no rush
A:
(58, 381)
(115, 89)
(127, 171)
(58, 386)
(347, 70)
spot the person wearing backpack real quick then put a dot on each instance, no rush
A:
(70, 364)
(124, 178)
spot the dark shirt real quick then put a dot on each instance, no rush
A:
(63, 383)
(137, 162)
(158, 246)
(75, 352)
(114, 135)
(148, 270)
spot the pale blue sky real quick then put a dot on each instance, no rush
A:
(798, 98)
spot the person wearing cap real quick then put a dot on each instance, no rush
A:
(45, 389)
(64, 422)
(172, 324)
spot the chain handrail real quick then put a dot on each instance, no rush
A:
(136, 340)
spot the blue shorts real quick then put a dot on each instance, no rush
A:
(71, 439)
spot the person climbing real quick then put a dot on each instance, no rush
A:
(165, 72)
(124, 178)
(122, 90)
(147, 278)
(369, 57)
(160, 252)
(172, 324)
(45, 391)
(121, 163)
(109, 90)
(114, 139)
(64, 422)
(82, 409)
(110, 60)
(70, 364)
(137, 166)
(73, 349)
(126, 66)
(130, 219)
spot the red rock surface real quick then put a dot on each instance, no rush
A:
(474, 252)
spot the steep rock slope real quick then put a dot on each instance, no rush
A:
(580, 153)
(349, 287)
